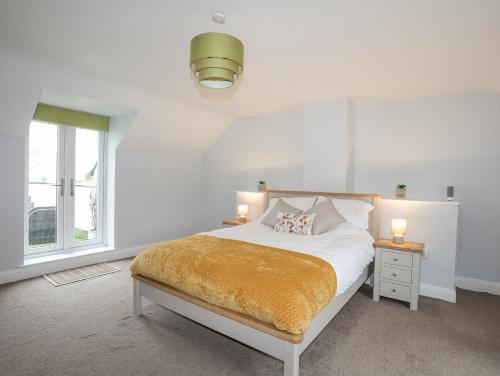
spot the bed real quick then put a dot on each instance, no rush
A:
(348, 248)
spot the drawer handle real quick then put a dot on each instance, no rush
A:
(393, 290)
(394, 259)
(394, 275)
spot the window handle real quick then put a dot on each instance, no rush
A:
(72, 187)
(62, 187)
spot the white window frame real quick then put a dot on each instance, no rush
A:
(65, 200)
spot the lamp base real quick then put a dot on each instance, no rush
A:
(242, 219)
(398, 239)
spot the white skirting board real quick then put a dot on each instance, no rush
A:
(478, 285)
(68, 262)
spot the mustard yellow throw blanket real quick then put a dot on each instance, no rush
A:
(274, 285)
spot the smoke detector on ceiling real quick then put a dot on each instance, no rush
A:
(219, 17)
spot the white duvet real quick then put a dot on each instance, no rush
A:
(347, 248)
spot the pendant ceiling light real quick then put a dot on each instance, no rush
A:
(216, 59)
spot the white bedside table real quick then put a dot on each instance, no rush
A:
(397, 271)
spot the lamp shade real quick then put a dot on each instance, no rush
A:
(242, 210)
(399, 226)
(398, 230)
(216, 59)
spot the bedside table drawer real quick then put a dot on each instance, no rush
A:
(396, 274)
(396, 291)
(395, 258)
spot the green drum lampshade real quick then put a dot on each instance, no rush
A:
(216, 59)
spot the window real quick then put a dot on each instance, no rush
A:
(65, 185)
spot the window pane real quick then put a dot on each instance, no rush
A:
(42, 188)
(86, 180)
(86, 157)
(85, 213)
(42, 215)
(42, 153)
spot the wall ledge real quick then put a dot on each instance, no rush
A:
(38, 269)
(423, 201)
(43, 258)
(478, 285)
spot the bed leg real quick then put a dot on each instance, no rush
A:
(137, 299)
(291, 366)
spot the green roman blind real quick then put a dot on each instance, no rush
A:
(59, 115)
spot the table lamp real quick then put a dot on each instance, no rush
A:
(242, 212)
(398, 230)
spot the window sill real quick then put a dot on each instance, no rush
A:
(42, 259)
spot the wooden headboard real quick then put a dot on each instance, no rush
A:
(373, 199)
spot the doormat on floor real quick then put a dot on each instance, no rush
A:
(80, 274)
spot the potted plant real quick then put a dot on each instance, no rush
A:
(401, 191)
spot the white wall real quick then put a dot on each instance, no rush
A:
(118, 126)
(328, 142)
(295, 149)
(157, 165)
(157, 197)
(11, 201)
(430, 143)
(426, 143)
(263, 147)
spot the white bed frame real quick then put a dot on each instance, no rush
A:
(285, 350)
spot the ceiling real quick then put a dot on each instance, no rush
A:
(295, 51)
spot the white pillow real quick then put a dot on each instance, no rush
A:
(302, 203)
(355, 212)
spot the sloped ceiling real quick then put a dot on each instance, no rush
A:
(296, 51)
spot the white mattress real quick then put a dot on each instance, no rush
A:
(347, 248)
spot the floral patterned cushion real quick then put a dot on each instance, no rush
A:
(299, 224)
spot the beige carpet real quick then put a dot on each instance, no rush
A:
(86, 328)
